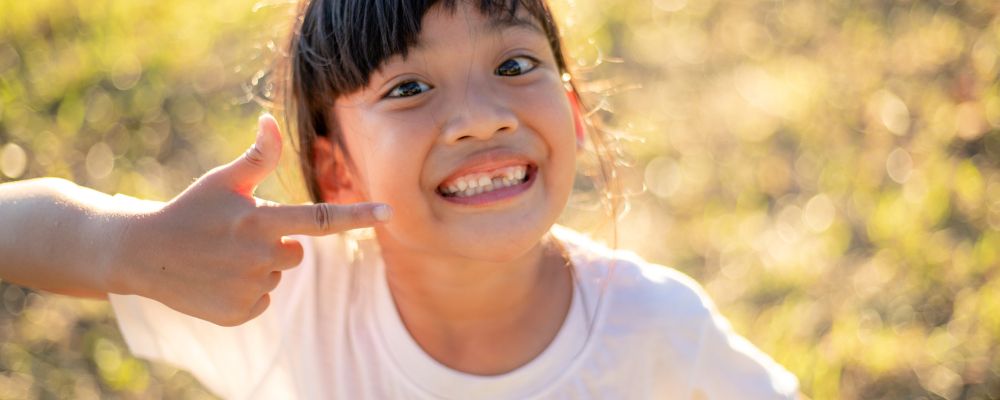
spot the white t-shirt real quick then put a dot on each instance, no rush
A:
(332, 332)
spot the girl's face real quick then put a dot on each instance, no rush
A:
(470, 139)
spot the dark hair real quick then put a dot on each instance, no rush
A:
(336, 45)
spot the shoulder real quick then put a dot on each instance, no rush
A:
(663, 316)
(638, 288)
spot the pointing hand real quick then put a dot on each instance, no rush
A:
(216, 251)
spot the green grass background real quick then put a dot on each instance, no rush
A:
(828, 169)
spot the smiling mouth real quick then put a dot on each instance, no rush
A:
(507, 180)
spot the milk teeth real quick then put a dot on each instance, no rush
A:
(477, 183)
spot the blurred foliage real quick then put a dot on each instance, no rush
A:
(136, 97)
(829, 170)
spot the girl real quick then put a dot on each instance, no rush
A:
(460, 116)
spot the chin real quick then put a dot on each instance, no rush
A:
(491, 240)
(500, 246)
(501, 237)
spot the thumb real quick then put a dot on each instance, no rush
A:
(246, 172)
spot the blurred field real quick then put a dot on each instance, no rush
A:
(829, 170)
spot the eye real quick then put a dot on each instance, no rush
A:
(408, 88)
(516, 66)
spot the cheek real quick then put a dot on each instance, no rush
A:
(548, 108)
(551, 115)
(554, 119)
(392, 153)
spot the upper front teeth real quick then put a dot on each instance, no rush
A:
(473, 184)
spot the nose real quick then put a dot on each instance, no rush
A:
(478, 113)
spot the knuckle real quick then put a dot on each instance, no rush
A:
(249, 221)
(254, 156)
(274, 278)
(323, 215)
(297, 254)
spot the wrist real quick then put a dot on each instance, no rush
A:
(125, 239)
(115, 265)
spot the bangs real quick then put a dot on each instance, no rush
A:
(341, 43)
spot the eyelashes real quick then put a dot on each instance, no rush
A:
(511, 67)
(408, 89)
(516, 66)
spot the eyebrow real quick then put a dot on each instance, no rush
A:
(499, 24)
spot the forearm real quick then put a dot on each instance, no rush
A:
(57, 236)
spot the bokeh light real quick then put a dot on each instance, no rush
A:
(828, 170)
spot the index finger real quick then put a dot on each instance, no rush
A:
(323, 218)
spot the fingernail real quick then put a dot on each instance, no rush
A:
(382, 212)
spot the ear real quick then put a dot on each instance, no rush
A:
(335, 177)
(578, 124)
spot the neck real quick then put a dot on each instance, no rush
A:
(480, 316)
(458, 291)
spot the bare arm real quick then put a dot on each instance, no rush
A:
(55, 236)
(213, 252)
